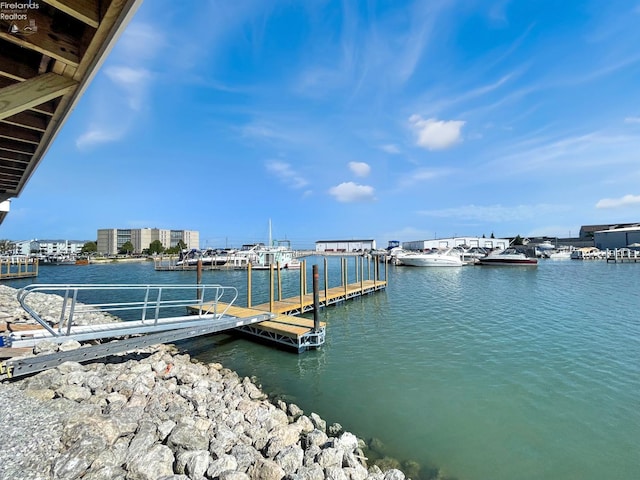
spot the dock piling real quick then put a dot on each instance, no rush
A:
(316, 299)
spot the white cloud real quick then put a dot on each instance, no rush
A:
(133, 81)
(422, 175)
(287, 174)
(118, 101)
(97, 135)
(436, 134)
(360, 169)
(352, 192)
(632, 120)
(618, 202)
(390, 148)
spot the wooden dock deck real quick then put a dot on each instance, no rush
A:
(12, 268)
(287, 327)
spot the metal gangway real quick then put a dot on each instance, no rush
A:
(138, 316)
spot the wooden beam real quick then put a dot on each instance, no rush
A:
(16, 69)
(10, 176)
(22, 96)
(27, 119)
(49, 39)
(84, 10)
(47, 108)
(17, 147)
(13, 159)
(19, 134)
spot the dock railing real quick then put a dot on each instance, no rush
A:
(148, 304)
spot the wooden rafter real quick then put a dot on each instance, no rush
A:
(35, 91)
(48, 39)
(27, 119)
(20, 134)
(84, 10)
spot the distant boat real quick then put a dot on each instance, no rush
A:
(447, 258)
(562, 253)
(508, 257)
(294, 264)
(546, 245)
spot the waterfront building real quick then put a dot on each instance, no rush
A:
(344, 246)
(49, 248)
(110, 240)
(617, 237)
(443, 243)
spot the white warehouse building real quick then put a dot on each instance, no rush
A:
(617, 237)
(345, 246)
(444, 243)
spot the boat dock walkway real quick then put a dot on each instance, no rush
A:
(287, 328)
(152, 314)
(622, 255)
(155, 314)
(18, 267)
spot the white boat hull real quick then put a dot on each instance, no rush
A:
(431, 261)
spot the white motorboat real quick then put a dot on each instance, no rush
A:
(546, 245)
(508, 257)
(562, 253)
(446, 258)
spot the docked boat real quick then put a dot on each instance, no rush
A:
(508, 257)
(446, 258)
(588, 253)
(562, 253)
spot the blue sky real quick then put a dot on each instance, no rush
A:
(353, 119)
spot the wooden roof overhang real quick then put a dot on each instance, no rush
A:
(46, 62)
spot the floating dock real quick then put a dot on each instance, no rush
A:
(287, 328)
(18, 267)
(153, 316)
(622, 255)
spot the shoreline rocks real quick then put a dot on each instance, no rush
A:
(155, 413)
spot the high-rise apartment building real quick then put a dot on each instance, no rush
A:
(110, 240)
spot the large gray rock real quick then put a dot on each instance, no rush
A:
(194, 464)
(290, 458)
(185, 437)
(222, 464)
(264, 469)
(151, 464)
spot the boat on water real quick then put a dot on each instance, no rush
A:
(508, 257)
(588, 253)
(58, 260)
(439, 258)
(562, 253)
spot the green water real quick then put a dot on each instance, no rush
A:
(485, 372)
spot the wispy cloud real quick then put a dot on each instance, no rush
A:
(624, 201)
(128, 80)
(97, 134)
(491, 213)
(632, 120)
(360, 169)
(286, 174)
(133, 81)
(390, 148)
(434, 134)
(348, 192)
(422, 175)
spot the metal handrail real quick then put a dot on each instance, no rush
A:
(205, 297)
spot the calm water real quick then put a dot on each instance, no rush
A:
(486, 372)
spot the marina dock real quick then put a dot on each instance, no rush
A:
(18, 267)
(287, 328)
(622, 255)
